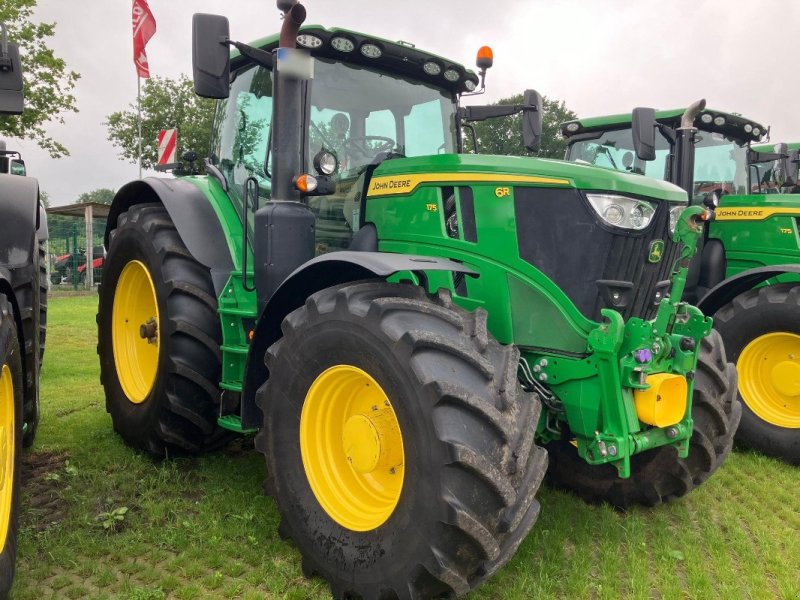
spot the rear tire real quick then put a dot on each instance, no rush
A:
(470, 466)
(660, 475)
(10, 444)
(771, 314)
(178, 412)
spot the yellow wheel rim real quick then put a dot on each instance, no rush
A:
(135, 331)
(7, 450)
(769, 378)
(352, 448)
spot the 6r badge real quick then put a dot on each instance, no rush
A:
(656, 251)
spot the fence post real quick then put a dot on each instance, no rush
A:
(89, 247)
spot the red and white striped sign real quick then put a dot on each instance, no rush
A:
(167, 146)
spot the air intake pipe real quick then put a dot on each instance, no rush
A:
(684, 150)
(284, 228)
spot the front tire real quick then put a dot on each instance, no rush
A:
(458, 439)
(11, 386)
(159, 338)
(761, 330)
(659, 475)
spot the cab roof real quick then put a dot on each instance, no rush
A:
(771, 147)
(399, 57)
(732, 125)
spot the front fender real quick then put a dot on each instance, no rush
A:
(317, 274)
(193, 215)
(726, 291)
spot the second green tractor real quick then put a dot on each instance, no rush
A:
(747, 273)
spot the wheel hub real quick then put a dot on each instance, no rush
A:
(786, 378)
(352, 448)
(149, 331)
(769, 378)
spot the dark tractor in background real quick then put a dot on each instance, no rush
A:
(23, 312)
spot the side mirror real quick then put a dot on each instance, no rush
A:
(792, 167)
(211, 59)
(11, 100)
(18, 167)
(532, 120)
(780, 165)
(644, 133)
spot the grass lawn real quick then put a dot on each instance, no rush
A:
(201, 528)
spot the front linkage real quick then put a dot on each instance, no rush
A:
(634, 373)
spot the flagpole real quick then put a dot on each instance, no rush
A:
(139, 107)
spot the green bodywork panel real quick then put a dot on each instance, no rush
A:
(771, 147)
(759, 230)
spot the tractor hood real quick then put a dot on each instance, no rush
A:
(522, 170)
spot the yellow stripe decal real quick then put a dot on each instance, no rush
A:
(405, 184)
(753, 213)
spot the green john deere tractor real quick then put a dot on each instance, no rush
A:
(23, 312)
(405, 326)
(746, 274)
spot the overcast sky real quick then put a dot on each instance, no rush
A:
(599, 56)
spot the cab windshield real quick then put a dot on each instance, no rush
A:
(358, 114)
(720, 162)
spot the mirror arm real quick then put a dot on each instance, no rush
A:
(260, 57)
(495, 112)
(667, 132)
(754, 157)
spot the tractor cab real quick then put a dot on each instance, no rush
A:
(721, 148)
(367, 100)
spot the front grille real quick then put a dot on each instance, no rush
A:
(596, 266)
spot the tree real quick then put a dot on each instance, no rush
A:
(166, 104)
(102, 195)
(45, 198)
(48, 84)
(504, 135)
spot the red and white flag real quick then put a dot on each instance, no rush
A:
(144, 27)
(167, 146)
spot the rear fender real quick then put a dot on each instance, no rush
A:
(726, 291)
(193, 215)
(320, 273)
(19, 265)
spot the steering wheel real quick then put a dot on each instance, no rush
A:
(360, 144)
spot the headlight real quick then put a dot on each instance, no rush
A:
(326, 163)
(306, 40)
(674, 215)
(622, 211)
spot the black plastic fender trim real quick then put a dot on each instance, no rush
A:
(726, 291)
(193, 216)
(317, 274)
